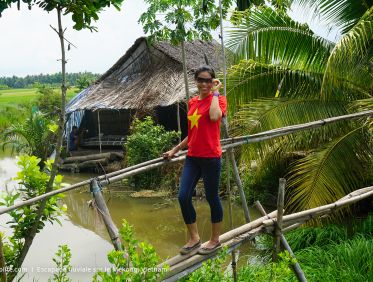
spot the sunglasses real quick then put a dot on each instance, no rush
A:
(203, 80)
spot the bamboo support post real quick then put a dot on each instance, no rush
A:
(296, 267)
(280, 212)
(225, 123)
(233, 264)
(96, 190)
(99, 129)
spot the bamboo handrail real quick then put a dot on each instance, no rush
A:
(325, 208)
(151, 164)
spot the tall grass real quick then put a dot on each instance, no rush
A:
(350, 260)
(330, 253)
(347, 261)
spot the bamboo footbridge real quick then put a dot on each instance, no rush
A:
(274, 222)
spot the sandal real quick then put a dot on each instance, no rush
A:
(187, 250)
(206, 251)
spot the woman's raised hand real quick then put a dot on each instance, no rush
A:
(216, 85)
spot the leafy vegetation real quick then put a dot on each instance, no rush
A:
(285, 74)
(32, 182)
(330, 253)
(53, 79)
(211, 270)
(62, 260)
(16, 104)
(136, 262)
(34, 136)
(148, 141)
(82, 14)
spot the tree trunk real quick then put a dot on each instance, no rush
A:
(185, 72)
(178, 120)
(29, 239)
(225, 127)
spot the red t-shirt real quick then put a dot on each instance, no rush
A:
(204, 134)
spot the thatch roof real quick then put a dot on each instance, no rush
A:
(147, 76)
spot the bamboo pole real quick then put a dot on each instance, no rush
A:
(310, 213)
(225, 125)
(229, 143)
(233, 264)
(105, 214)
(224, 237)
(296, 267)
(292, 227)
(178, 120)
(190, 264)
(99, 129)
(266, 135)
(185, 73)
(280, 212)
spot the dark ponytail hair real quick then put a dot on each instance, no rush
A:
(209, 69)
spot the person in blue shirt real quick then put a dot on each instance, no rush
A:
(73, 139)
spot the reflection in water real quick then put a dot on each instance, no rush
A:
(8, 170)
(155, 220)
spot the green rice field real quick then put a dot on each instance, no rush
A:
(14, 104)
(21, 96)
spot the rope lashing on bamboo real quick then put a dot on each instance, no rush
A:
(228, 143)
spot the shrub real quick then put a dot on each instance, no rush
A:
(148, 141)
(137, 262)
(211, 270)
(62, 260)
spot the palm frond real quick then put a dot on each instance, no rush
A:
(271, 37)
(265, 114)
(331, 172)
(361, 105)
(32, 136)
(250, 80)
(343, 14)
(350, 60)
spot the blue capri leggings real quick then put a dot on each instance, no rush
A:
(209, 169)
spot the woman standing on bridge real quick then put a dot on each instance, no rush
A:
(203, 158)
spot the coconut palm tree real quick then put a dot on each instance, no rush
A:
(285, 74)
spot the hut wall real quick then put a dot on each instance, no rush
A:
(166, 116)
(112, 122)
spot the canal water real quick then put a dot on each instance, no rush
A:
(155, 220)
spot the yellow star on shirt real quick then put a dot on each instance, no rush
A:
(194, 119)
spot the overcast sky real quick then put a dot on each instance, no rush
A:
(29, 46)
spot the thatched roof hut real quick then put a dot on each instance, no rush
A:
(147, 78)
